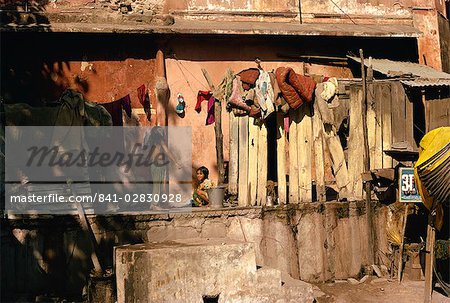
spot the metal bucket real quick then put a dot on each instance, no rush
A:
(216, 196)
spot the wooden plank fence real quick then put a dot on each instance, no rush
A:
(310, 142)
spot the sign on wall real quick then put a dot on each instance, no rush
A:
(407, 186)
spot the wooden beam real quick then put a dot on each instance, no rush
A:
(217, 129)
(233, 167)
(319, 155)
(262, 165)
(304, 153)
(293, 158)
(281, 159)
(243, 162)
(253, 136)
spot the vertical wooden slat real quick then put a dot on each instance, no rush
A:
(304, 153)
(319, 154)
(438, 112)
(243, 164)
(253, 136)
(409, 124)
(262, 165)
(386, 122)
(356, 143)
(337, 156)
(371, 123)
(233, 167)
(281, 159)
(378, 152)
(398, 114)
(293, 158)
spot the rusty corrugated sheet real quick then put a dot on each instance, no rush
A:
(394, 69)
(426, 82)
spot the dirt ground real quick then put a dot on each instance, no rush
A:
(381, 292)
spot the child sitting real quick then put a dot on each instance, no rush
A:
(200, 196)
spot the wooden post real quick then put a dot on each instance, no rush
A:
(402, 244)
(217, 129)
(161, 90)
(262, 165)
(233, 166)
(367, 185)
(281, 159)
(304, 153)
(293, 158)
(243, 162)
(253, 171)
(429, 263)
(319, 154)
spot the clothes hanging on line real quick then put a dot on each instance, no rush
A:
(202, 96)
(236, 98)
(115, 109)
(249, 77)
(126, 104)
(144, 99)
(264, 94)
(296, 89)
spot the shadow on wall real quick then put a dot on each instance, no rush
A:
(51, 259)
(37, 67)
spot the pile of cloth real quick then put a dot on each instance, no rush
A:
(259, 93)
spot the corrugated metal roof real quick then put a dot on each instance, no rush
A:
(393, 69)
(426, 82)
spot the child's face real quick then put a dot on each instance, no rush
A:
(200, 176)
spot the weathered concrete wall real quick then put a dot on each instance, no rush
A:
(314, 242)
(444, 34)
(429, 44)
(103, 68)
